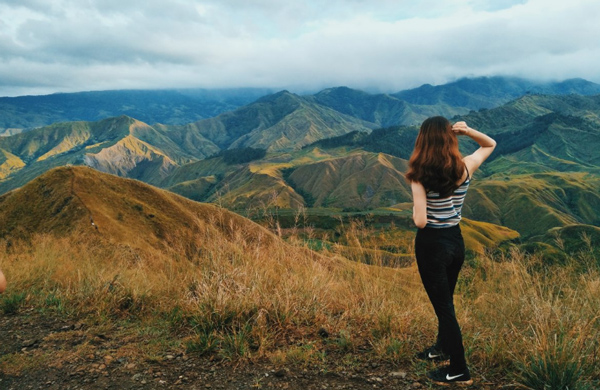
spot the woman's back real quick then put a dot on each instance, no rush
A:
(439, 175)
(446, 211)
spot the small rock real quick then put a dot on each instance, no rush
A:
(279, 373)
(170, 357)
(29, 343)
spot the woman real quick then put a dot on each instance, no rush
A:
(439, 178)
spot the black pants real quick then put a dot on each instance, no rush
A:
(440, 255)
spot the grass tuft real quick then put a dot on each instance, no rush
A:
(11, 303)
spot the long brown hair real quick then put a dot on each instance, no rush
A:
(436, 161)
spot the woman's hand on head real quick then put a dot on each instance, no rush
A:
(460, 128)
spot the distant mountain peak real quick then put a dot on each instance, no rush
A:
(341, 91)
(284, 94)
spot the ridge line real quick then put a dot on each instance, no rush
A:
(74, 194)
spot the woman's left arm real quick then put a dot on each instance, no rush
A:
(419, 204)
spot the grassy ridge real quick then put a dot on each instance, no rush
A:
(241, 293)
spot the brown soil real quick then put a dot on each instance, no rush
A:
(29, 334)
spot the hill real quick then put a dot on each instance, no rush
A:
(85, 204)
(542, 133)
(489, 92)
(534, 134)
(380, 109)
(532, 204)
(397, 141)
(358, 181)
(282, 121)
(311, 177)
(121, 145)
(325, 192)
(131, 148)
(526, 108)
(150, 106)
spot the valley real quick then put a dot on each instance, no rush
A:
(331, 152)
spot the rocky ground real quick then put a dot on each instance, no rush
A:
(28, 339)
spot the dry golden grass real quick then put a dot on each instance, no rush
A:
(240, 292)
(271, 303)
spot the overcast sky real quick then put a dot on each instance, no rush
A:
(51, 46)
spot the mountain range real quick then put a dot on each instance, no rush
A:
(183, 106)
(345, 151)
(151, 106)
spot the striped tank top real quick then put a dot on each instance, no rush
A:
(446, 212)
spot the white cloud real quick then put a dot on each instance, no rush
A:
(69, 45)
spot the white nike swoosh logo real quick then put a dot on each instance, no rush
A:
(432, 356)
(449, 378)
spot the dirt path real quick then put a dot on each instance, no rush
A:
(29, 337)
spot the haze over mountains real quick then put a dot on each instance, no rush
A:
(178, 107)
(151, 106)
(339, 149)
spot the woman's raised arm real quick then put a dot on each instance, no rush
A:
(486, 145)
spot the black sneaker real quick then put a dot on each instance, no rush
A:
(432, 354)
(446, 376)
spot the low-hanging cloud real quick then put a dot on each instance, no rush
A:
(66, 45)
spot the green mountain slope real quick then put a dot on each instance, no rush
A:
(380, 109)
(257, 184)
(532, 204)
(323, 153)
(397, 141)
(541, 134)
(488, 92)
(121, 145)
(360, 181)
(283, 121)
(531, 137)
(524, 109)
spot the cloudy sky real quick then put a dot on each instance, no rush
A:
(51, 46)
